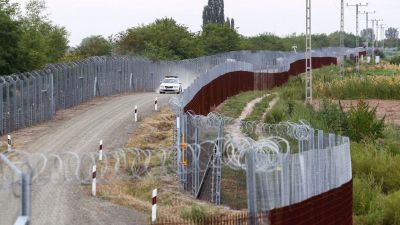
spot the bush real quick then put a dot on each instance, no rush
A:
(395, 60)
(363, 124)
(334, 117)
(380, 53)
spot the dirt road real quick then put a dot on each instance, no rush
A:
(79, 130)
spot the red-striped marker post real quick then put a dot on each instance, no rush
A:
(9, 143)
(101, 150)
(154, 206)
(155, 104)
(94, 181)
(136, 113)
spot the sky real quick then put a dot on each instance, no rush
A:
(83, 18)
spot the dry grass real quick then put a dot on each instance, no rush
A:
(155, 134)
(3, 148)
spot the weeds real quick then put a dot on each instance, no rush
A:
(363, 124)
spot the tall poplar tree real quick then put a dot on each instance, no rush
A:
(214, 12)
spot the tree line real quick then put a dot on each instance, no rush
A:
(29, 40)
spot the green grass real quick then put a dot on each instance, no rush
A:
(234, 106)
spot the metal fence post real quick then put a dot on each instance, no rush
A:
(251, 186)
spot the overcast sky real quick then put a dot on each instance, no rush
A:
(83, 18)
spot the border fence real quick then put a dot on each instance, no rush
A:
(276, 176)
(312, 165)
(34, 97)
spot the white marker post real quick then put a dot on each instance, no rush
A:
(135, 113)
(101, 150)
(94, 181)
(9, 143)
(154, 206)
(155, 105)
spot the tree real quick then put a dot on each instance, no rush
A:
(163, 39)
(10, 53)
(368, 34)
(392, 33)
(219, 38)
(233, 23)
(94, 46)
(228, 22)
(41, 41)
(214, 12)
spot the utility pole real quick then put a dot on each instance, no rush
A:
(377, 32)
(308, 54)
(342, 36)
(367, 17)
(374, 37)
(383, 26)
(367, 13)
(358, 5)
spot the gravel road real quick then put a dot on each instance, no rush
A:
(79, 130)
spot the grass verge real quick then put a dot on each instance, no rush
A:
(156, 134)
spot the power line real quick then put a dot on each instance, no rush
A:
(357, 32)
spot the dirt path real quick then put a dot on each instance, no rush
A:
(271, 105)
(234, 128)
(79, 130)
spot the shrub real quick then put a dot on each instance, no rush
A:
(395, 60)
(334, 117)
(363, 123)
